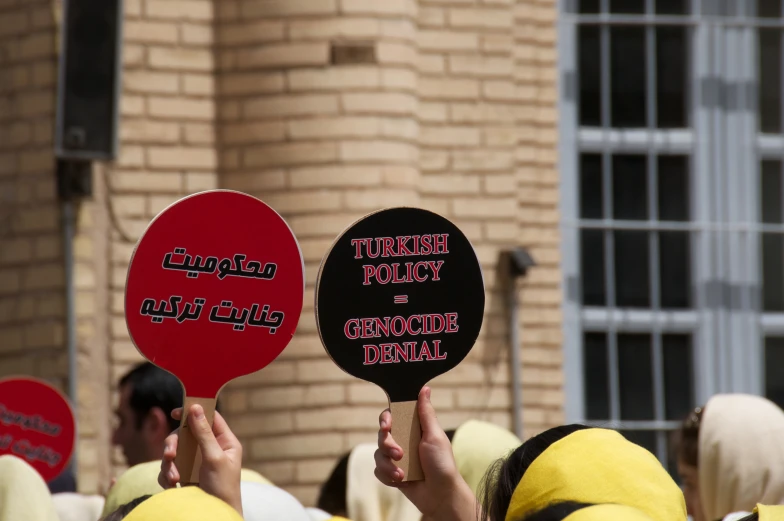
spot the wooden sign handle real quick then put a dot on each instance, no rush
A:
(407, 432)
(188, 458)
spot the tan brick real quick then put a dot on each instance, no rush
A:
(133, 55)
(131, 105)
(403, 128)
(500, 43)
(377, 150)
(43, 277)
(48, 248)
(450, 136)
(431, 17)
(198, 84)
(397, 53)
(331, 176)
(145, 31)
(333, 78)
(37, 45)
(14, 23)
(480, 160)
(433, 112)
(388, 7)
(290, 154)
(488, 66)
(447, 41)
(485, 207)
(499, 231)
(380, 103)
(250, 83)
(449, 88)
(363, 393)
(244, 132)
(14, 251)
(44, 74)
(333, 418)
(146, 131)
(499, 90)
(302, 202)
(190, 10)
(368, 200)
(333, 127)
(181, 108)
(10, 281)
(314, 471)
(398, 28)
(284, 55)
(199, 134)
(500, 136)
(433, 160)
(36, 161)
(297, 446)
(399, 79)
(480, 112)
(250, 32)
(199, 181)
(229, 111)
(192, 34)
(182, 157)
(313, 371)
(450, 184)
(333, 28)
(276, 106)
(263, 424)
(480, 18)
(181, 59)
(155, 205)
(34, 104)
(132, 7)
(273, 398)
(128, 205)
(283, 8)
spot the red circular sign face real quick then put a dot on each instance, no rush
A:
(36, 425)
(214, 289)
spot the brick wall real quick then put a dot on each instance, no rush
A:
(32, 300)
(458, 115)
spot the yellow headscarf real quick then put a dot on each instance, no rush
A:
(251, 476)
(477, 445)
(607, 513)
(741, 457)
(24, 495)
(598, 466)
(183, 504)
(770, 513)
(139, 480)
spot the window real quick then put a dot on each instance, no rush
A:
(673, 222)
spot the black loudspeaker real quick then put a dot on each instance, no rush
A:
(90, 79)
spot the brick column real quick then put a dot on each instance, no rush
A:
(323, 144)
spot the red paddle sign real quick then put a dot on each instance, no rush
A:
(214, 291)
(36, 425)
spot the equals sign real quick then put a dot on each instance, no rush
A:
(401, 299)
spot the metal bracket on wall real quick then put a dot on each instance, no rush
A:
(74, 179)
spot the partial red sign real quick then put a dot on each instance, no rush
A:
(214, 289)
(36, 425)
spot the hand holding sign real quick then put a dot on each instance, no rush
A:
(400, 300)
(36, 425)
(214, 292)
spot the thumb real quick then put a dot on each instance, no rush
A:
(202, 431)
(427, 414)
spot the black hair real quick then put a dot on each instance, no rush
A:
(688, 438)
(750, 517)
(556, 511)
(125, 509)
(65, 482)
(450, 434)
(332, 498)
(502, 478)
(151, 387)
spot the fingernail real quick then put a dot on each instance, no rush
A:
(198, 412)
(166, 448)
(398, 474)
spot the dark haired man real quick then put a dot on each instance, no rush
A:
(148, 395)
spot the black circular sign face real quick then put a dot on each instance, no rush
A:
(400, 299)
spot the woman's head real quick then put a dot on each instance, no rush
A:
(574, 463)
(738, 461)
(688, 461)
(124, 510)
(502, 478)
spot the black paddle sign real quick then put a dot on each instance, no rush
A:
(400, 300)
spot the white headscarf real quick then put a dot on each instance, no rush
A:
(24, 495)
(269, 503)
(318, 515)
(477, 445)
(76, 507)
(367, 499)
(741, 454)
